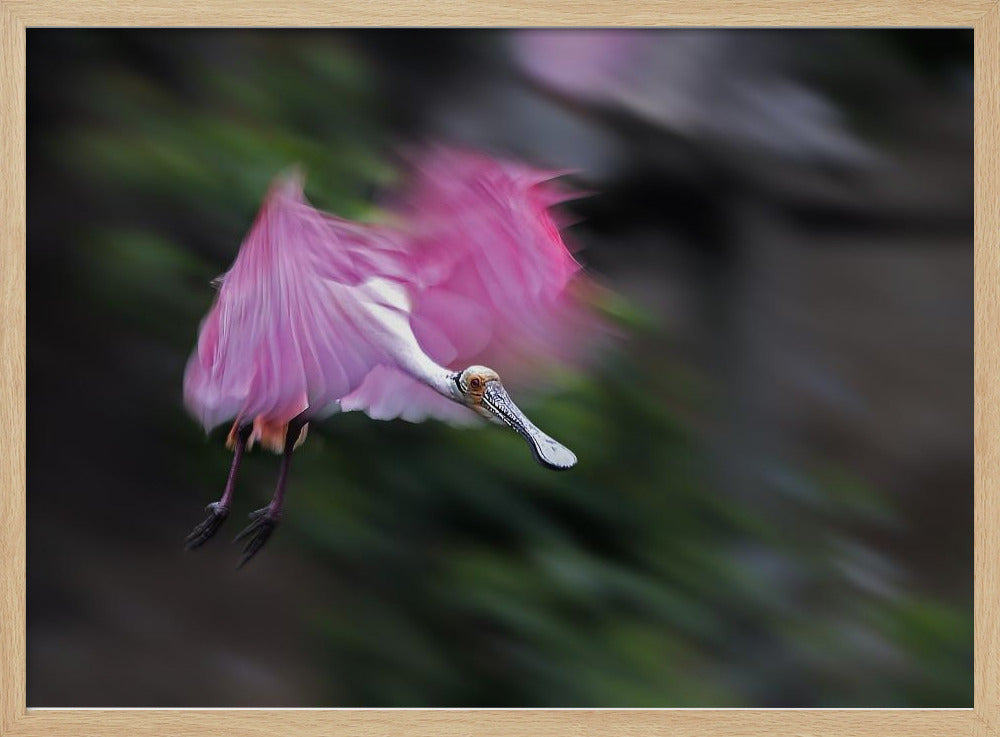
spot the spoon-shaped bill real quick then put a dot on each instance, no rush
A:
(547, 451)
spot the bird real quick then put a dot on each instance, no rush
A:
(319, 315)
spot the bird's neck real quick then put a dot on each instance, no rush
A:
(390, 305)
(438, 378)
(442, 381)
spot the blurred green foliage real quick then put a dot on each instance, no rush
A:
(463, 573)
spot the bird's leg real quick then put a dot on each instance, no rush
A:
(265, 520)
(218, 511)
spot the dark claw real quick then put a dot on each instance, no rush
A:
(259, 532)
(204, 531)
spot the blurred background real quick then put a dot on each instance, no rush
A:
(774, 501)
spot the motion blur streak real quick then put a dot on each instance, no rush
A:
(773, 504)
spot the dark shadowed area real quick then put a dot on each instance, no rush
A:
(773, 504)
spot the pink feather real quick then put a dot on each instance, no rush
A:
(493, 283)
(293, 329)
(288, 332)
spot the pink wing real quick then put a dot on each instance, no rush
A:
(289, 331)
(492, 281)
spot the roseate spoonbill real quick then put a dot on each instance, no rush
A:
(319, 315)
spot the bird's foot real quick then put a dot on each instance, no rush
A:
(207, 528)
(257, 533)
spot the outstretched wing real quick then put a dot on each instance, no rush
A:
(291, 328)
(493, 282)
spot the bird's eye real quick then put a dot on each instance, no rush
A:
(476, 382)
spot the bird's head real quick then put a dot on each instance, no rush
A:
(480, 389)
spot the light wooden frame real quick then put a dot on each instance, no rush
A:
(16, 719)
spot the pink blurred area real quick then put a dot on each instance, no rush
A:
(773, 504)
